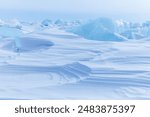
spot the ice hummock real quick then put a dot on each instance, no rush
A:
(105, 29)
(10, 32)
(46, 22)
(102, 29)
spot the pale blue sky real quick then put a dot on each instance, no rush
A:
(128, 9)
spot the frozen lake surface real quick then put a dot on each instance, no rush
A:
(50, 63)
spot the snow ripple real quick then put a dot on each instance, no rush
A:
(25, 76)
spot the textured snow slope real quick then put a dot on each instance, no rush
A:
(54, 64)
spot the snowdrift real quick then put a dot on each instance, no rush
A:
(25, 44)
(13, 39)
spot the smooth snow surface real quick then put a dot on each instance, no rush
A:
(49, 63)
